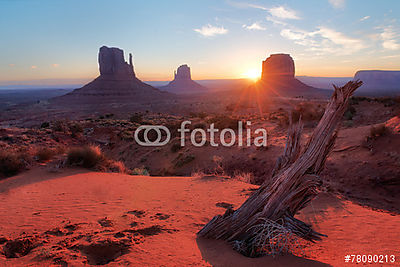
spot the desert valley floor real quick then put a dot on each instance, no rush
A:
(79, 217)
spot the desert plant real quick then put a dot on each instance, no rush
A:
(176, 147)
(11, 163)
(140, 171)
(87, 156)
(349, 113)
(272, 238)
(44, 154)
(136, 118)
(45, 124)
(184, 159)
(75, 128)
(378, 130)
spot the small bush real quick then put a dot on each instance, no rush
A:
(76, 129)
(140, 171)
(136, 118)
(11, 163)
(182, 160)
(59, 126)
(223, 122)
(45, 124)
(87, 156)
(377, 131)
(44, 154)
(308, 112)
(349, 113)
(176, 147)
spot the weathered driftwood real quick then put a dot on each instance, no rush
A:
(293, 185)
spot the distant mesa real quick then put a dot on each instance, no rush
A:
(278, 66)
(278, 77)
(117, 83)
(379, 81)
(183, 83)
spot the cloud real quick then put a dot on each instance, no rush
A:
(390, 39)
(276, 21)
(283, 13)
(324, 40)
(337, 3)
(209, 30)
(246, 5)
(255, 27)
(55, 65)
(11, 65)
(365, 18)
(340, 39)
(33, 67)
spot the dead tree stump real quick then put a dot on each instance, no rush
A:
(294, 184)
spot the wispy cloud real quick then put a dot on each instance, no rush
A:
(365, 18)
(55, 65)
(337, 3)
(209, 30)
(33, 67)
(390, 39)
(246, 5)
(11, 65)
(283, 13)
(254, 27)
(324, 40)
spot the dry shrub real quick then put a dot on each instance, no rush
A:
(45, 154)
(271, 238)
(11, 163)
(308, 112)
(246, 177)
(198, 174)
(378, 131)
(140, 171)
(87, 156)
(91, 157)
(223, 122)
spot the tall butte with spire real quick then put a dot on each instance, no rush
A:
(117, 83)
(183, 83)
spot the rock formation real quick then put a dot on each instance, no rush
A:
(279, 66)
(278, 77)
(379, 81)
(117, 83)
(112, 64)
(183, 83)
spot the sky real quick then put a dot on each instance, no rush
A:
(59, 40)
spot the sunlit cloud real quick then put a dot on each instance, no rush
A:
(324, 40)
(11, 65)
(255, 27)
(390, 39)
(283, 13)
(337, 3)
(55, 65)
(33, 67)
(209, 30)
(365, 18)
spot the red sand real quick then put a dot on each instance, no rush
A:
(38, 201)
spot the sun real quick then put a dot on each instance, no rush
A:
(252, 74)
